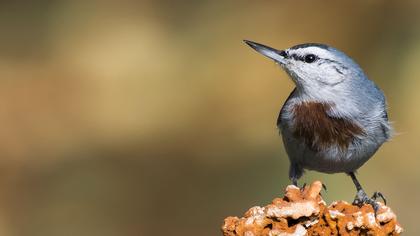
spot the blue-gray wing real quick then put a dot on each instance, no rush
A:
(282, 110)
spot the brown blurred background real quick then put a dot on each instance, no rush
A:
(153, 118)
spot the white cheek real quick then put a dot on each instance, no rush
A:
(335, 79)
(315, 76)
(331, 76)
(311, 72)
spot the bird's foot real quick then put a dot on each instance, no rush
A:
(362, 198)
(377, 195)
(323, 186)
(303, 187)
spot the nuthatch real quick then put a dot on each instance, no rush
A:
(335, 119)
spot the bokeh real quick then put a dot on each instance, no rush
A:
(154, 118)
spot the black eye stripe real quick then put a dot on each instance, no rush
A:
(339, 67)
(296, 57)
(309, 58)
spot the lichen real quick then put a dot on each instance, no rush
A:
(304, 212)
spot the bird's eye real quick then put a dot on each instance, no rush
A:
(310, 58)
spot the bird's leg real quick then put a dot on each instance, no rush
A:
(361, 196)
(294, 181)
(295, 172)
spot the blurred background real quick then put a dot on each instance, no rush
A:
(154, 118)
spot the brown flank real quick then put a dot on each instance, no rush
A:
(320, 131)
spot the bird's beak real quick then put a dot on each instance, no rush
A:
(278, 56)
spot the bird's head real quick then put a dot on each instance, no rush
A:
(316, 69)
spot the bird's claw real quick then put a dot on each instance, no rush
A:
(324, 187)
(303, 187)
(362, 198)
(377, 195)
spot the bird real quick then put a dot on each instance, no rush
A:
(335, 119)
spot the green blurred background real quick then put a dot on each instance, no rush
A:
(153, 117)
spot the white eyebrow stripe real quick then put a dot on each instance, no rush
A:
(317, 51)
